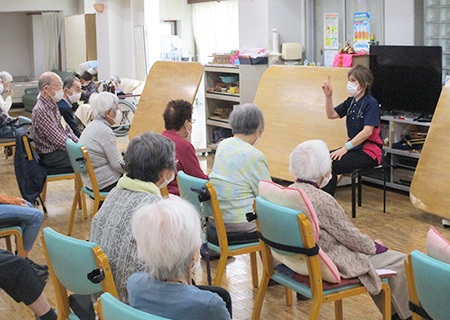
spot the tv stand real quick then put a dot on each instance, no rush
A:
(424, 118)
(402, 162)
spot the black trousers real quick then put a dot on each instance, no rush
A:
(223, 293)
(56, 162)
(352, 160)
(19, 279)
(233, 237)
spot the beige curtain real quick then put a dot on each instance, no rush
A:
(52, 36)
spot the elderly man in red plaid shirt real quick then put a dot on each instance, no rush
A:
(49, 134)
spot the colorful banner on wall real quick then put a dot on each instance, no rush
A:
(330, 31)
(361, 31)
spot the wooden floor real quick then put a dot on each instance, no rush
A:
(402, 228)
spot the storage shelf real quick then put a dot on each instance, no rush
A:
(223, 96)
(393, 185)
(405, 153)
(405, 121)
(219, 123)
(222, 69)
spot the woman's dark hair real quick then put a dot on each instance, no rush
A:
(86, 76)
(148, 155)
(363, 75)
(176, 114)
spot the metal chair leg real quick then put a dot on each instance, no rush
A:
(384, 189)
(353, 195)
(359, 190)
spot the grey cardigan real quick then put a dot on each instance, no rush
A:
(346, 246)
(101, 143)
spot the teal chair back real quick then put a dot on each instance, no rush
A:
(185, 182)
(71, 259)
(279, 224)
(76, 156)
(432, 278)
(114, 309)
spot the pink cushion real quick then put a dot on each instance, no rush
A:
(437, 246)
(296, 199)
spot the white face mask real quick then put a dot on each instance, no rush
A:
(352, 89)
(257, 140)
(75, 97)
(325, 180)
(58, 95)
(166, 182)
(118, 117)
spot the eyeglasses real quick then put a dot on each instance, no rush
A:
(75, 90)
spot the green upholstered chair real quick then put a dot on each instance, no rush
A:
(70, 261)
(81, 163)
(288, 231)
(428, 286)
(110, 308)
(212, 209)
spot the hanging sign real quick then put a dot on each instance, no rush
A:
(330, 31)
(361, 31)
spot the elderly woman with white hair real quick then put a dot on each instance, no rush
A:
(5, 92)
(168, 237)
(101, 143)
(354, 253)
(238, 168)
(149, 166)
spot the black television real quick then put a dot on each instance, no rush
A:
(407, 79)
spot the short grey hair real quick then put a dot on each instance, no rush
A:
(148, 155)
(103, 102)
(6, 76)
(246, 119)
(69, 80)
(168, 235)
(310, 161)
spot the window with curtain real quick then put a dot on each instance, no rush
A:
(216, 28)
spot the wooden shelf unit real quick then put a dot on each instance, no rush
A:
(249, 76)
(402, 162)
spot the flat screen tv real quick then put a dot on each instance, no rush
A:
(407, 79)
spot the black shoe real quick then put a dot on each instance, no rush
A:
(37, 266)
(301, 297)
(43, 274)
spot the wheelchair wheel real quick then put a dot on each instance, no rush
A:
(127, 109)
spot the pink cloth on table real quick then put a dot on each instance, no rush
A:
(347, 59)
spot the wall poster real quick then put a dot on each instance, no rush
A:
(330, 32)
(361, 31)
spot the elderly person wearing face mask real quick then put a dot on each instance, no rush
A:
(88, 86)
(238, 168)
(363, 148)
(178, 123)
(354, 253)
(149, 166)
(101, 143)
(168, 240)
(5, 93)
(72, 94)
(48, 132)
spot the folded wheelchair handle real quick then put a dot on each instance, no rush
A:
(203, 194)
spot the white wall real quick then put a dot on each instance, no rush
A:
(287, 17)
(253, 24)
(399, 23)
(16, 44)
(38, 45)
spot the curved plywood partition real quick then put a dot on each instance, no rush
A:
(166, 81)
(430, 188)
(293, 104)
